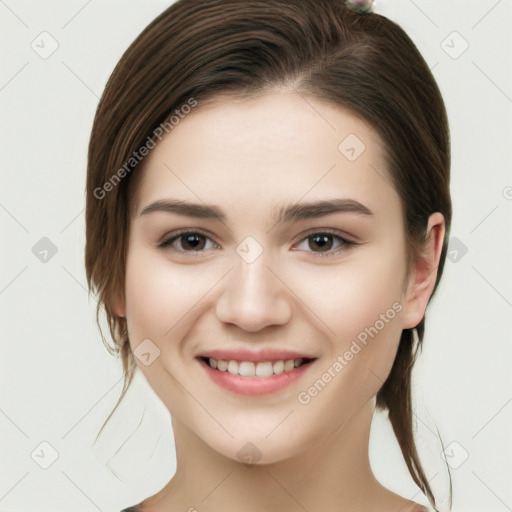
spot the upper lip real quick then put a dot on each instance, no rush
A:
(256, 356)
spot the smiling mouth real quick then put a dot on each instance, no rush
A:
(262, 369)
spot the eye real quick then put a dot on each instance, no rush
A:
(190, 241)
(197, 242)
(324, 241)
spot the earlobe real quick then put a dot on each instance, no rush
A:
(118, 307)
(424, 274)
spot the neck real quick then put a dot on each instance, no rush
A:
(333, 474)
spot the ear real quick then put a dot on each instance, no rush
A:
(118, 305)
(424, 274)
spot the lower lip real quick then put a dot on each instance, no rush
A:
(254, 386)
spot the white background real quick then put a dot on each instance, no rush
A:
(57, 381)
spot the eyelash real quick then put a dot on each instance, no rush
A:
(345, 244)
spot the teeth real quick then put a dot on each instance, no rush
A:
(279, 367)
(262, 369)
(233, 367)
(289, 365)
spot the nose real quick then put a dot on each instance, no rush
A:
(254, 296)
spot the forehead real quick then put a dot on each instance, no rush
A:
(253, 155)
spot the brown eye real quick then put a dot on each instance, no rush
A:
(192, 241)
(189, 241)
(322, 243)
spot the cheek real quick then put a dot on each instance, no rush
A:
(359, 304)
(350, 297)
(157, 295)
(145, 300)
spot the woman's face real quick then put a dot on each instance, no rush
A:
(269, 273)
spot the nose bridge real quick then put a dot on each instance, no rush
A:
(253, 297)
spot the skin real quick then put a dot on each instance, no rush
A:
(247, 157)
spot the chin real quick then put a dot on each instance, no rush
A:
(258, 450)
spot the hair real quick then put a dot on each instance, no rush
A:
(198, 49)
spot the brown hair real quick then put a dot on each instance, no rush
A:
(198, 49)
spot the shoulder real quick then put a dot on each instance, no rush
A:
(142, 506)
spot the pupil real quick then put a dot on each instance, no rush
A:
(190, 241)
(321, 240)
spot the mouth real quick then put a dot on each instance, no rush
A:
(255, 378)
(259, 370)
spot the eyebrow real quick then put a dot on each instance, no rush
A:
(287, 213)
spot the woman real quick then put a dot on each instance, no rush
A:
(268, 208)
